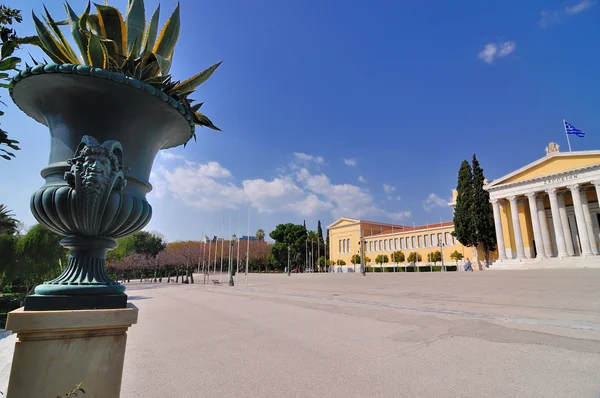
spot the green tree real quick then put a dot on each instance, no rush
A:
(142, 242)
(414, 258)
(482, 213)
(40, 256)
(341, 262)
(321, 242)
(435, 256)
(260, 234)
(456, 256)
(355, 259)
(9, 63)
(285, 235)
(8, 259)
(8, 223)
(382, 259)
(398, 257)
(464, 224)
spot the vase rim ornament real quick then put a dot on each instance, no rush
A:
(99, 73)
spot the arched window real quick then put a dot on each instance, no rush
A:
(448, 239)
(385, 245)
(348, 246)
(396, 244)
(340, 247)
(420, 239)
(412, 242)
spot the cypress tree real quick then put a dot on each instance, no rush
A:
(482, 213)
(464, 223)
(320, 237)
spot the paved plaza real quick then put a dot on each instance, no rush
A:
(467, 334)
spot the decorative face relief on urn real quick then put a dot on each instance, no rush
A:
(96, 171)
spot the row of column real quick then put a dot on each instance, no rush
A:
(560, 221)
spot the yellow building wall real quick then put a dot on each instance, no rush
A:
(352, 232)
(555, 165)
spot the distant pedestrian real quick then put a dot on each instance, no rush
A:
(468, 266)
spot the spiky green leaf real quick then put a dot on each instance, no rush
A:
(197, 106)
(165, 44)
(83, 19)
(28, 40)
(9, 63)
(97, 53)
(49, 44)
(163, 63)
(190, 84)
(151, 31)
(112, 26)
(135, 25)
(80, 38)
(202, 120)
(54, 26)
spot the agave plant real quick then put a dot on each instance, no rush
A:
(129, 46)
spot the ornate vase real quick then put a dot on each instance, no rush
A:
(105, 131)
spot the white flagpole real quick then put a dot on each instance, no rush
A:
(248, 246)
(567, 134)
(222, 246)
(237, 259)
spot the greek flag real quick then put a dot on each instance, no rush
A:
(570, 129)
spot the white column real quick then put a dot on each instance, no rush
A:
(558, 230)
(589, 223)
(581, 226)
(537, 231)
(514, 211)
(499, 233)
(544, 227)
(564, 219)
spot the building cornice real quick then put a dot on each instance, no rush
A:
(552, 155)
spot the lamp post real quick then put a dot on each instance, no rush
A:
(442, 251)
(363, 269)
(231, 282)
(289, 271)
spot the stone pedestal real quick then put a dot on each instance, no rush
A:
(57, 350)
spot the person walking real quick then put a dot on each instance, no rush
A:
(468, 266)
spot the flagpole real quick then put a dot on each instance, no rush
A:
(248, 246)
(567, 134)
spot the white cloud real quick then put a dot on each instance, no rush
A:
(493, 50)
(550, 17)
(506, 48)
(214, 170)
(212, 187)
(579, 7)
(171, 156)
(309, 158)
(350, 162)
(362, 179)
(434, 201)
(388, 188)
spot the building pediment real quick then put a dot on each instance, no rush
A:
(343, 222)
(554, 164)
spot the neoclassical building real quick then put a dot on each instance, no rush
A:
(548, 208)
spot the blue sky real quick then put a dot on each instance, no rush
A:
(364, 110)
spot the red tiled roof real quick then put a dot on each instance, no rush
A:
(404, 228)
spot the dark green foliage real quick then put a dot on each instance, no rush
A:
(8, 223)
(456, 255)
(8, 63)
(141, 242)
(464, 222)
(382, 259)
(413, 257)
(321, 241)
(355, 259)
(39, 256)
(285, 235)
(435, 256)
(482, 212)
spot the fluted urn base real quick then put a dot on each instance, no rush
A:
(84, 284)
